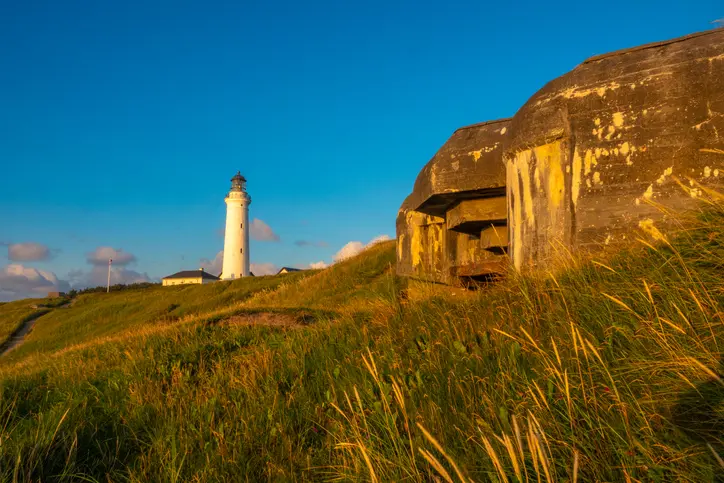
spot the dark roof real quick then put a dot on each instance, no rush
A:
(289, 269)
(192, 274)
(238, 176)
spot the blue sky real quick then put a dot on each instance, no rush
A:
(121, 123)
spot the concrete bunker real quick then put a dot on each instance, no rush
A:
(452, 227)
(592, 153)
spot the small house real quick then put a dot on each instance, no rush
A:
(187, 277)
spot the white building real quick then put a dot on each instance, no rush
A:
(189, 277)
(236, 238)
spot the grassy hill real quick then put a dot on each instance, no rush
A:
(608, 371)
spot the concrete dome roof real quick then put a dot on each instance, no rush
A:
(668, 78)
(469, 164)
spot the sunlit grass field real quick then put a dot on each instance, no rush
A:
(95, 316)
(13, 314)
(610, 370)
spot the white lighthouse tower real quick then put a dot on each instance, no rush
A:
(236, 239)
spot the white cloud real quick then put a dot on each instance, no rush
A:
(349, 250)
(318, 265)
(101, 255)
(76, 277)
(260, 269)
(27, 252)
(260, 231)
(378, 239)
(97, 276)
(18, 281)
(214, 266)
(356, 247)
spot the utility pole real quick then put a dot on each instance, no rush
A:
(108, 288)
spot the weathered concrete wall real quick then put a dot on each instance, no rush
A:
(591, 154)
(453, 224)
(420, 245)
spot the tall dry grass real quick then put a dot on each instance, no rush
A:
(607, 371)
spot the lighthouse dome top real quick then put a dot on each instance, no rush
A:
(238, 182)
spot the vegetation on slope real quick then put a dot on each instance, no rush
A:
(14, 314)
(609, 371)
(97, 316)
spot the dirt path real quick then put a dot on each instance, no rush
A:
(17, 337)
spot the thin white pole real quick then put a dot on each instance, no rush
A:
(108, 288)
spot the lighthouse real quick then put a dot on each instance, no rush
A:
(236, 238)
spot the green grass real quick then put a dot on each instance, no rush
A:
(609, 371)
(95, 316)
(14, 314)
